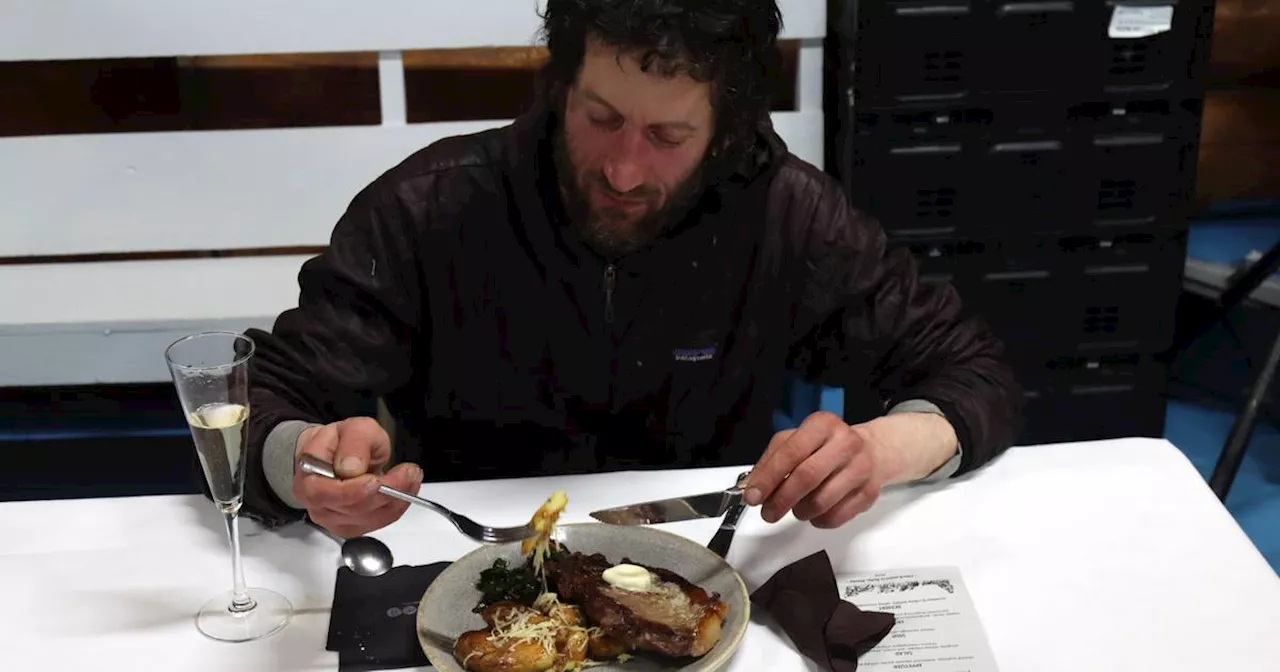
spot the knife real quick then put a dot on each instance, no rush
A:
(724, 536)
(676, 509)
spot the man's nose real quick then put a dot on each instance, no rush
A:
(623, 169)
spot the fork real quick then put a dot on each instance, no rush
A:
(482, 533)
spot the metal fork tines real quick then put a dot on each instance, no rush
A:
(483, 533)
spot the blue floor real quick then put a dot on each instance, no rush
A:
(1254, 498)
(1199, 432)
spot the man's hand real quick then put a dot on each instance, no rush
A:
(827, 472)
(359, 450)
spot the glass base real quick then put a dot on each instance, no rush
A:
(271, 612)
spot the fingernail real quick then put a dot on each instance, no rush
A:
(752, 496)
(352, 464)
(416, 475)
(372, 484)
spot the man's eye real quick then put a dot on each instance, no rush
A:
(665, 140)
(604, 122)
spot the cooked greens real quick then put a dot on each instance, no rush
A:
(502, 582)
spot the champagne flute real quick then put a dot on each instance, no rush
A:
(211, 373)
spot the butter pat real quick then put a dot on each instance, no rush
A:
(628, 577)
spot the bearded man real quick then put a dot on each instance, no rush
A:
(622, 278)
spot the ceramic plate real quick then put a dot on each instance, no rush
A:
(445, 610)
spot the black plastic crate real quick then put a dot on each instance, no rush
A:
(1032, 47)
(915, 51)
(1126, 290)
(1138, 155)
(914, 168)
(1153, 63)
(953, 261)
(1081, 398)
(966, 171)
(1099, 166)
(1030, 185)
(1084, 294)
(948, 50)
(1019, 293)
(922, 189)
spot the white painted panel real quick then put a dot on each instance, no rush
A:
(193, 190)
(107, 355)
(70, 29)
(217, 190)
(92, 323)
(60, 297)
(809, 76)
(804, 134)
(391, 88)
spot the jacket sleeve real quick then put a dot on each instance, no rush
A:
(346, 343)
(864, 320)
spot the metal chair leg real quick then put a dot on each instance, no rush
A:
(1239, 290)
(1224, 472)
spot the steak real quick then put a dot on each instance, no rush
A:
(674, 618)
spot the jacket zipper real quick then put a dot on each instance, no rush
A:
(610, 281)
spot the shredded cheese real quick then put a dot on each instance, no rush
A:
(517, 626)
(546, 602)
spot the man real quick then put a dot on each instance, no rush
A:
(620, 279)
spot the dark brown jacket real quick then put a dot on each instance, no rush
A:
(453, 290)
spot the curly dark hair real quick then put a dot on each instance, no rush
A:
(731, 44)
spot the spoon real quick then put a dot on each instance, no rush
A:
(365, 556)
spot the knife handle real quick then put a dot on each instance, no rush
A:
(723, 538)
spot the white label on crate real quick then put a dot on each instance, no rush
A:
(1136, 22)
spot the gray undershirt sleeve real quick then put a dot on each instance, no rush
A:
(278, 458)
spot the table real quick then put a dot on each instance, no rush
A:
(1132, 562)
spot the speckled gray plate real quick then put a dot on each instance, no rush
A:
(445, 610)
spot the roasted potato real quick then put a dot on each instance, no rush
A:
(544, 521)
(506, 610)
(604, 647)
(567, 614)
(571, 646)
(476, 652)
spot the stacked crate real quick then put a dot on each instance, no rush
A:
(1040, 156)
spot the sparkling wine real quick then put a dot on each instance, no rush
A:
(219, 433)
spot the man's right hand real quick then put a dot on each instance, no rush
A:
(359, 450)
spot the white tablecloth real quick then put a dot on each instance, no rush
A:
(1110, 555)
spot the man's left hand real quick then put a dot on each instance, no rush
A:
(827, 472)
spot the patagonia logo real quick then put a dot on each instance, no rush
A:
(694, 354)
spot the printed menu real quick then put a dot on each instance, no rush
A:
(937, 628)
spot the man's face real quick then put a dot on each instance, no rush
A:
(630, 149)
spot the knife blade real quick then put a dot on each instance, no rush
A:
(675, 509)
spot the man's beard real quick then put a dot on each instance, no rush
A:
(613, 239)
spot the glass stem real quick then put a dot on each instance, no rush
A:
(240, 600)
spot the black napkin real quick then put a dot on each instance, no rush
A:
(804, 599)
(373, 623)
